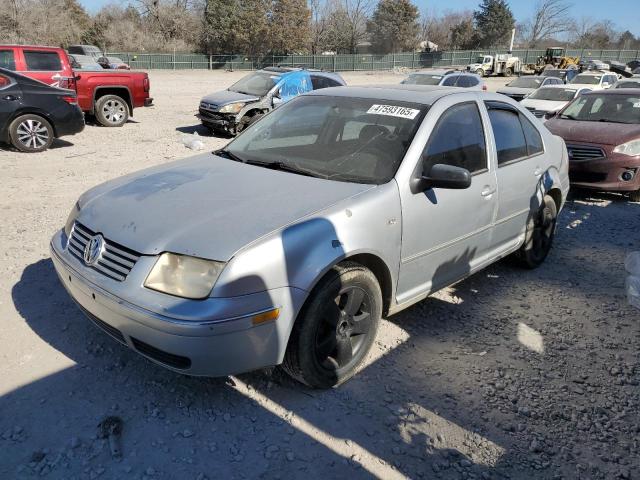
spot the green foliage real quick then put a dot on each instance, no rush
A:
(220, 17)
(494, 22)
(394, 26)
(463, 35)
(289, 26)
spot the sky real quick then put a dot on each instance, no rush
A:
(624, 13)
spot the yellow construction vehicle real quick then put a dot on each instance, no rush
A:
(555, 57)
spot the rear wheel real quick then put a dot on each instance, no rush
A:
(509, 72)
(111, 111)
(31, 133)
(336, 328)
(539, 234)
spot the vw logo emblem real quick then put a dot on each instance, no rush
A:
(93, 249)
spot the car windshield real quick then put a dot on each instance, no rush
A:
(524, 82)
(480, 60)
(604, 108)
(587, 79)
(554, 94)
(257, 83)
(554, 73)
(422, 79)
(338, 138)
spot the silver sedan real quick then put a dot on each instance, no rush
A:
(289, 245)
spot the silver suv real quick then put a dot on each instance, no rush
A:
(289, 245)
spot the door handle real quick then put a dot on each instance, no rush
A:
(10, 98)
(488, 191)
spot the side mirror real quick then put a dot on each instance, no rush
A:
(442, 176)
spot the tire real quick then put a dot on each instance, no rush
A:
(480, 72)
(336, 328)
(635, 196)
(509, 72)
(111, 111)
(540, 231)
(31, 133)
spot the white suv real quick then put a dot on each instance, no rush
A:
(594, 81)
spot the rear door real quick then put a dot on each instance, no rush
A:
(521, 163)
(44, 65)
(9, 99)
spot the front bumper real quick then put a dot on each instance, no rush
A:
(203, 343)
(606, 173)
(217, 120)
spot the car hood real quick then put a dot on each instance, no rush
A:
(515, 90)
(474, 66)
(600, 133)
(205, 206)
(585, 85)
(227, 96)
(544, 105)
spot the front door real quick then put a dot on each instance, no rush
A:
(446, 233)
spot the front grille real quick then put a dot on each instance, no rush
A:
(175, 361)
(587, 177)
(208, 106)
(214, 115)
(584, 152)
(537, 113)
(114, 261)
(105, 327)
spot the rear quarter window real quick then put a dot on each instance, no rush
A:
(7, 59)
(42, 61)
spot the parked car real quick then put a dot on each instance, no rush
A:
(633, 64)
(84, 62)
(246, 101)
(287, 246)
(446, 78)
(628, 83)
(594, 81)
(33, 114)
(593, 65)
(523, 86)
(113, 63)
(545, 102)
(602, 132)
(87, 50)
(109, 95)
(566, 74)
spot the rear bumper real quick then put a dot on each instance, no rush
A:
(198, 345)
(606, 173)
(148, 102)
(71, 124)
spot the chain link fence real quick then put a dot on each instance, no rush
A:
(347, 62)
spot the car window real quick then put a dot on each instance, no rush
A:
(4, 81)
(319, 82)
(422, 79)
(532, 137)
(508, 134)
(458, 140)
(450, 81)
(6, 60)
(42, 61)
(466, 81)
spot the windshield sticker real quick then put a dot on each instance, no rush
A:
(394, 111)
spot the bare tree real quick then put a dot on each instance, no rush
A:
(550, 18)
(440, 28)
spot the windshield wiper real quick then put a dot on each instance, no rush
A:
(568, 117)
(608, 120)
(285, 167)
(223, 152)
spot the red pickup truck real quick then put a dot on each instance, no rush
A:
(109, 95)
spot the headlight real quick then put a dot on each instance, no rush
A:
(71, 219)
(232, 108)
(631, 148)
(183, 276)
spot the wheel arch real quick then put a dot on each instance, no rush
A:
(121, 91)
(4, 133)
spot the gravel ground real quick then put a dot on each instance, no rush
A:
(509, 374)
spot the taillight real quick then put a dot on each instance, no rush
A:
(145, 84)
(71, 100)
(68, 83)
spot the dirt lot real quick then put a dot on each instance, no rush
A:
(510, 374)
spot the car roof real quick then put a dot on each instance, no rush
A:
(434, 71)
(422, 94)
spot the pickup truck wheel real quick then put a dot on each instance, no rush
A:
(111, 111)
(540, 231)
(336, 327)
(31, 133)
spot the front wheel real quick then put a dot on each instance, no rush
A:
(336, 328)
(111, 111)
(509, 72)
(541, 228)
(31, 133)
(480, 72)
